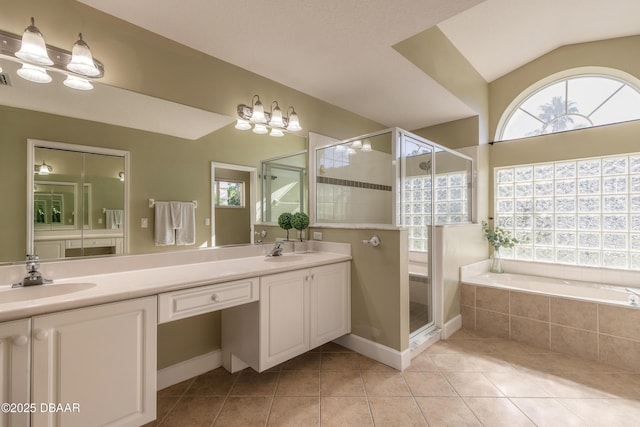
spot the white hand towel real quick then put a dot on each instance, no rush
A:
(115, 218)
(186, 235)
(176, 214)
(163, 230)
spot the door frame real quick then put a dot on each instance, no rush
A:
(253, 173)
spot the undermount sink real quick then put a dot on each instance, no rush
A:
(283, 258)
(41, 291)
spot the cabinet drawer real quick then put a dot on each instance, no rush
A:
(90, 243)
(203, 299)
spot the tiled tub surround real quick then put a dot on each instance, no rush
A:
(577, 318)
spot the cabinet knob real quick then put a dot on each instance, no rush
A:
(215, 298)
(41, 335)
(20, 340)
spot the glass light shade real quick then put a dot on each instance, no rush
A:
(261, 129)
(242, 124)
(366, 146)
(34, 74)
(276, 118)
(356, 144)
(351, 151)
(340, 148)
(78, 83)
(294, 123)
(82, 60)
(257, 115)
(45, 169)
(33, 48)
(276, 132)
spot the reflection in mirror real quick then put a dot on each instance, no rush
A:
(66, 222)
(284, 186)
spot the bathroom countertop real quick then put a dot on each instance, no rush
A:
(125, 285)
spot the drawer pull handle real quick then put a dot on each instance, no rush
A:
(215, 298)
(41, 335)
(20, 340)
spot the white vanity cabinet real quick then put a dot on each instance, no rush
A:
(101, 359)
(297, 311)
(15, 370)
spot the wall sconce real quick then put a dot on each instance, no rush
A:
(261, 121)
(37, 58)
(43, 169)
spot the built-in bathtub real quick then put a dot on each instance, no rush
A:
(589, 320)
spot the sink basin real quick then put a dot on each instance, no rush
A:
(284, 258)
(41, 291)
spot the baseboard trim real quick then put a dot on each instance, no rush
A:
(182, 371)
(452, 326)
(383, 354)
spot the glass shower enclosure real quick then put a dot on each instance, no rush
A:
(396, 178)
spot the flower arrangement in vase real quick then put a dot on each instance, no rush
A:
(498, 238)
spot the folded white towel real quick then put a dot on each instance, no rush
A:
(186, 234)
(176, 214)
(163, 230)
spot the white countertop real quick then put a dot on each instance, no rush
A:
(151, 281)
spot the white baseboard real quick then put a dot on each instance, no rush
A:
(452, 326)
(381, 353)
(182, 371)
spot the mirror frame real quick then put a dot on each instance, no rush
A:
(32, 144)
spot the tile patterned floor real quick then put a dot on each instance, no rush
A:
(468, 380)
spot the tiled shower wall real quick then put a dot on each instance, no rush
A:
(601, 332)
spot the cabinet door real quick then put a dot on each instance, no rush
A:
(330, 302)
(99, 360)
(284, 317)
(14, 370)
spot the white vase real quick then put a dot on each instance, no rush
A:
(496, 261)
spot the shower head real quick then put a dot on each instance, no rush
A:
(425, 166)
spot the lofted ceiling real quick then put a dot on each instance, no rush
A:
(342, 51)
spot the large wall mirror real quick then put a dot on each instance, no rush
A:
(284, 186)
(77, 200)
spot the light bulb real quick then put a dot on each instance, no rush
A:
(33, 48)
(81, 59)
(366, 146)
(34, 74)
(294, 123)
(242, 124)
(78, 83)
(276, 117)
(257, 115)
(276, 132)
(260, 129)
(356, 144)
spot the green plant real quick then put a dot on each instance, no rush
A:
(300, 221)
(284, 221)
(499, 238)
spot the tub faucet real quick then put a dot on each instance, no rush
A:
(634, 298)
(33, 277)
(277, 250)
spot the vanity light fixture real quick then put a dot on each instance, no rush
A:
(262, 122)
(38, 59)
(43, 169)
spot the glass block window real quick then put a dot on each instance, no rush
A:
(583, 212)
(572, 103)
(451, 205)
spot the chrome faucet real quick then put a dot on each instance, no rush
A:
(277, 249)
(634, 298)
(33, 277)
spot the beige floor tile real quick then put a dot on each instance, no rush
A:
(339, 362)
(568, 386)
(332, 347)
(449, 346)
(497, 412)
(606, 412)
(545, 412)
(446, 412)
(422, 363)
(345, 412)
(194, 411)
(341, 383)
(428, 384)
(176, 389)
(298, 383)
(251, 383)
(516, 384)
(305, 362)
(396, 411)
(164, 404)
(244, 412)
(470, 363)
(368, 364)
(385, 384)
(472, 384)
(213, 383)
(294, 411)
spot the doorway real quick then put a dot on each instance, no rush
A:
(233, 200)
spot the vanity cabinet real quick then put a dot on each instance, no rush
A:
(297, 311)
(96, 365)
(14, 370)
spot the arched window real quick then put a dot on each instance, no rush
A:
(575, 102)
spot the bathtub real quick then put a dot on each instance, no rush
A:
(573, 289)
(589, 320)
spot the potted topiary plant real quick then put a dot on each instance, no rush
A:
(300, 221)
(284, 221)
